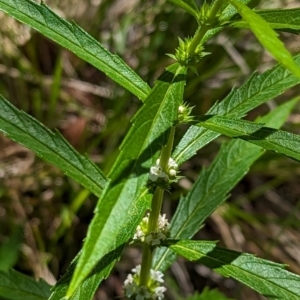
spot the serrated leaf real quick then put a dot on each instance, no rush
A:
(88, 288)
(267, 36)
(268, 278)
(16, 286)
(50, 146)
(287, 20)
(258, 89)
(213, 185)
(268, 138)
(188, 5)
(129, 175)
(75, 39)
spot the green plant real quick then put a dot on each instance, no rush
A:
(147, 164)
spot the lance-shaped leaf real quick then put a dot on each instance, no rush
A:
(129, 175)
(266, 36)
(16, 286)
(257, 90)
(75, 39)
(268, 278)
(269, 138)
(188, 5)
(90, 285)
(213, 185)
(287, 20)
(50, 146)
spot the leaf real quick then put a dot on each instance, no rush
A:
(258, 89)
(148, 133)
(270, 139)
(75, 39)
(267, 36)
(188, 5)
(229, 11)
(207, 294)
(50, 146)
(268, 278)
(287, 20)
(211, 33)
(278, 116)
(16, 286)
(213, 185)
(9, 250)
(88, 288)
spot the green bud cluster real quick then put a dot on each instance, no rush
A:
(184, 114)
(183, 56)
(204, 14)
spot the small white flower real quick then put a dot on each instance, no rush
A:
(181, 109)
(139, 234)
(155, 238)
(157, 172)
(159, 291)
(129, 279)
(129, 286)
(172, 164)
(163, 223)
(146, 218)
(172, 172)
(157, 276)
(137, 270)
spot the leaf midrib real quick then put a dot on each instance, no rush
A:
(76, 45)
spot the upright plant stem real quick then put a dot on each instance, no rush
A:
(147, 251)
(167, 150)
(207, 24)
(155, 211)
(215, 9)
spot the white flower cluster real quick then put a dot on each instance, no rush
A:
(156, 172)
(154, 238)
(153, 291)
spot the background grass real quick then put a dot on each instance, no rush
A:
(44, 215)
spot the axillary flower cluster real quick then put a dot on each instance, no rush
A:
(157, 174)
(153, 290)
(153, 238)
